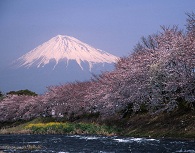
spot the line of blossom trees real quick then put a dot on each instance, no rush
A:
(159, 76)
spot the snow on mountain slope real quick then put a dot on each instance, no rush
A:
(65, 48)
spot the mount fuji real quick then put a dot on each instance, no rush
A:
(60, 60)
(64, 49)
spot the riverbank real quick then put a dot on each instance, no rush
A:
(52, 126)
(178, 124)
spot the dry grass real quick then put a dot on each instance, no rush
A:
(24, 148)
(178, 124)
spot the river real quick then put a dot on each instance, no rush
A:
(91, 144)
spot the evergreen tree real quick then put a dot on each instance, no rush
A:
(22, 92)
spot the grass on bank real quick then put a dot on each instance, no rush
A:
(19, 126)
(48, 126)
(69, 128)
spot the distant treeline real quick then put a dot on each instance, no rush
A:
(159, 76)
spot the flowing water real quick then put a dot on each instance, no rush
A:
(91, 144)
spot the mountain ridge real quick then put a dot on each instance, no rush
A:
(64, 48)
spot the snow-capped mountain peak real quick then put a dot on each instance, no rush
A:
(65, 48)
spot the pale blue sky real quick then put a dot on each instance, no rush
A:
(114, 26)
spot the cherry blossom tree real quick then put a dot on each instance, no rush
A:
(68, 99)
